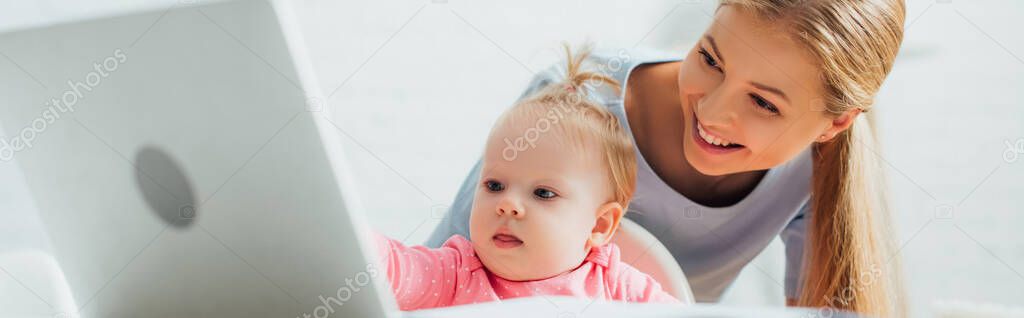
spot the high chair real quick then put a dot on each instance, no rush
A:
(643, 251)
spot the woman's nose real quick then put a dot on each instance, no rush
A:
(719, 107)
(509, 206)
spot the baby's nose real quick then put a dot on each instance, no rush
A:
(510, 208)
(512, 211)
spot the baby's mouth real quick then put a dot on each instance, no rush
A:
(506, 241)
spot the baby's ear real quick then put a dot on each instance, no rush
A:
(608, 217)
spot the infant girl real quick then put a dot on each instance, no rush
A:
(557, 175)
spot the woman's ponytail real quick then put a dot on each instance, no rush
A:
(849, 265)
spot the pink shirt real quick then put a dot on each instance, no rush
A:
(453, 275)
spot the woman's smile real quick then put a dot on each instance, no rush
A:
(709, 142)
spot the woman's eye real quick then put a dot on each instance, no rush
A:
(764, 104)
(544, 193)
(494, 186)
(710, 61)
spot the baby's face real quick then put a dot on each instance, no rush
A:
(537, 205)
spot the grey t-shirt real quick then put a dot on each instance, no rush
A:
(711, 244)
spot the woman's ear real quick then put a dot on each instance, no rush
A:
(838, 125)
(608, 217)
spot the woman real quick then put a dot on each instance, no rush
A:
(760, 130)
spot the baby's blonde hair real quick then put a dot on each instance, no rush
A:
(578, 119)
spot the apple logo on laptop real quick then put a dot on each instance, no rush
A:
(165, 187)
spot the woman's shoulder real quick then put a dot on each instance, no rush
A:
(617, 62)
(613, 62)
(790, 185)
(799, 169)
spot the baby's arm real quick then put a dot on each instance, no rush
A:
(420, 277)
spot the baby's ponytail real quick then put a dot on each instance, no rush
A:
(576, 77)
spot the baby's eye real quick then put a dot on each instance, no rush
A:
(494, 186)
(544, 193)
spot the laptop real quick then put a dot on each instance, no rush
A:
(183, 165)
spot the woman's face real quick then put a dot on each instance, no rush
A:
(751, 97)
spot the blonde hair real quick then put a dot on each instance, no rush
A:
(579, 120)
(848, 264)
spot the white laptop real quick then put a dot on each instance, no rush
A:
(183, 166)
(180, 162)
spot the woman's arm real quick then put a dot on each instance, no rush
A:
(793, 236)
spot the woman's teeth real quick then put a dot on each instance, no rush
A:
(712, 139)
